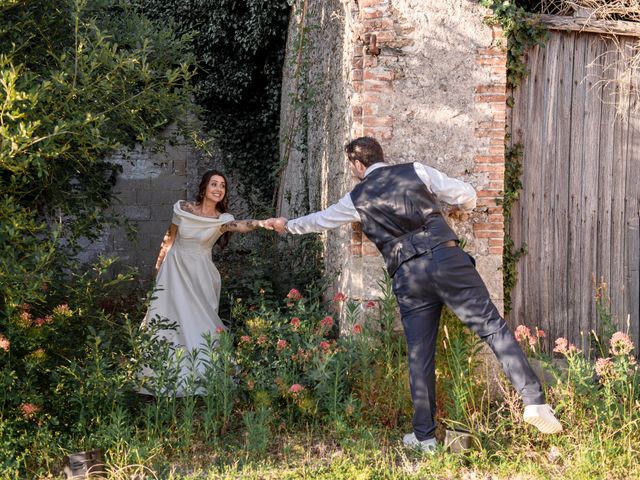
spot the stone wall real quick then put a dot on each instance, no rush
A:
(153, 178)
(434, 93)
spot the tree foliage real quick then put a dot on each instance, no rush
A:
(240, 51)
(77, 80)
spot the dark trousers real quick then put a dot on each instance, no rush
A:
(422, 286)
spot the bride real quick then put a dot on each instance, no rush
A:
(188, 283)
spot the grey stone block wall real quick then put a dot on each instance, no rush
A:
(153, 178)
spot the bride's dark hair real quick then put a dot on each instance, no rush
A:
(222, 205)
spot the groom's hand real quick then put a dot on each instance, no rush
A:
(267, 223)
(278, 224)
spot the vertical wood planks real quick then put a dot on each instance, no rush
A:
(579, 211)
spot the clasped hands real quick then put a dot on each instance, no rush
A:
(277, 224)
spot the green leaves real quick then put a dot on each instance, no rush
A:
(522, 32)
(76, 82)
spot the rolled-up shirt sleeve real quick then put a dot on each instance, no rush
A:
(332, 217)
(447, 189)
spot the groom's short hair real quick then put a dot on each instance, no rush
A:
(366, 150)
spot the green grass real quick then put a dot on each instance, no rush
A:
(509, 449)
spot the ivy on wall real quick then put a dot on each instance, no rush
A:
(512, 188)
(522, 33)
(239, 47)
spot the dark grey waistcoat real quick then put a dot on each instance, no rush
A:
(399, 214)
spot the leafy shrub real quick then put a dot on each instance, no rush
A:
(78, 79)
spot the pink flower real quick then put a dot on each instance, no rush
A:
(295, 323)
(324, 345)
(245, 339)
(621, 344)
(294, 295)
(561, 345)
(262, 339)
(339, 297)
(220, 330)
(296, 388)
(522, 333)
(370, 304)
(604, 367)
(357, 328)
(281, 345)
(564, 347)
(4, 343)
(25, 319)
(29, 410)
(540, 333)
(326, 322)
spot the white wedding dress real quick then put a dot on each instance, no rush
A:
(187, 289)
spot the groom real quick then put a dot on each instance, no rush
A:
(398, 206)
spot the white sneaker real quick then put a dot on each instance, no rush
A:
(428, 446)
(543, 418)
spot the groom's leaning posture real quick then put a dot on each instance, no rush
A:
(398, 206)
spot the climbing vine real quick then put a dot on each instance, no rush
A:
(511, 253)
(521, 32)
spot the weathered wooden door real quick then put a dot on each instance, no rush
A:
(577, 118)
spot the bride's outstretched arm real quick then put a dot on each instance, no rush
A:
(243, 226)
(167, 241)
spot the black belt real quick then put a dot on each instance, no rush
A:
(447, 244)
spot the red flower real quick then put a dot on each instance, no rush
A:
(357, 328)
(294, 295)
(281, 345)
(29, 410)
(63, 310)
(296, 388)
(4, 343)
(522, 333)
(621, 344)
(25, 319)
(327, 322)
(324, 345)
(564, 347)
(370, 304)
(339, 297)
(295, 323)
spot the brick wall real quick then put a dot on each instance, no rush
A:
(490, 97)
(372, 82)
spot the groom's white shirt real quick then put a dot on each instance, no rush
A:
(448, 190)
